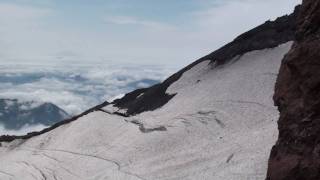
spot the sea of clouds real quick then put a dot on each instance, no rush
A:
(24, 130)
(74, 87)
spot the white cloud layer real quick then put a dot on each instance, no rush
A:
(24, 130)
(75, 88)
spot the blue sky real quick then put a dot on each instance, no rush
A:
(172, 32)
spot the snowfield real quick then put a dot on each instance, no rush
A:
(221, 125)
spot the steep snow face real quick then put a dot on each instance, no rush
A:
(220, 125)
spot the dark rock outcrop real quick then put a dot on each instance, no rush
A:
(268, 35)
(296, 155)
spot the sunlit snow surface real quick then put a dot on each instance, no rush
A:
(221, 125)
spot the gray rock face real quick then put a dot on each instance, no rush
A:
(15, 114)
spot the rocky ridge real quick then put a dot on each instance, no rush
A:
(296, 155)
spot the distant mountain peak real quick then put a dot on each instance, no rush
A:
(15, 114)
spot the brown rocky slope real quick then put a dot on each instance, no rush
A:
(296, 155)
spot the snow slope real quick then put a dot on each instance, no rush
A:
(221, 124)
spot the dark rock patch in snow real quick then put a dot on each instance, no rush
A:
(148, 130)
(220, 123)
(146, 99)
(229, 158)
(143, 129)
